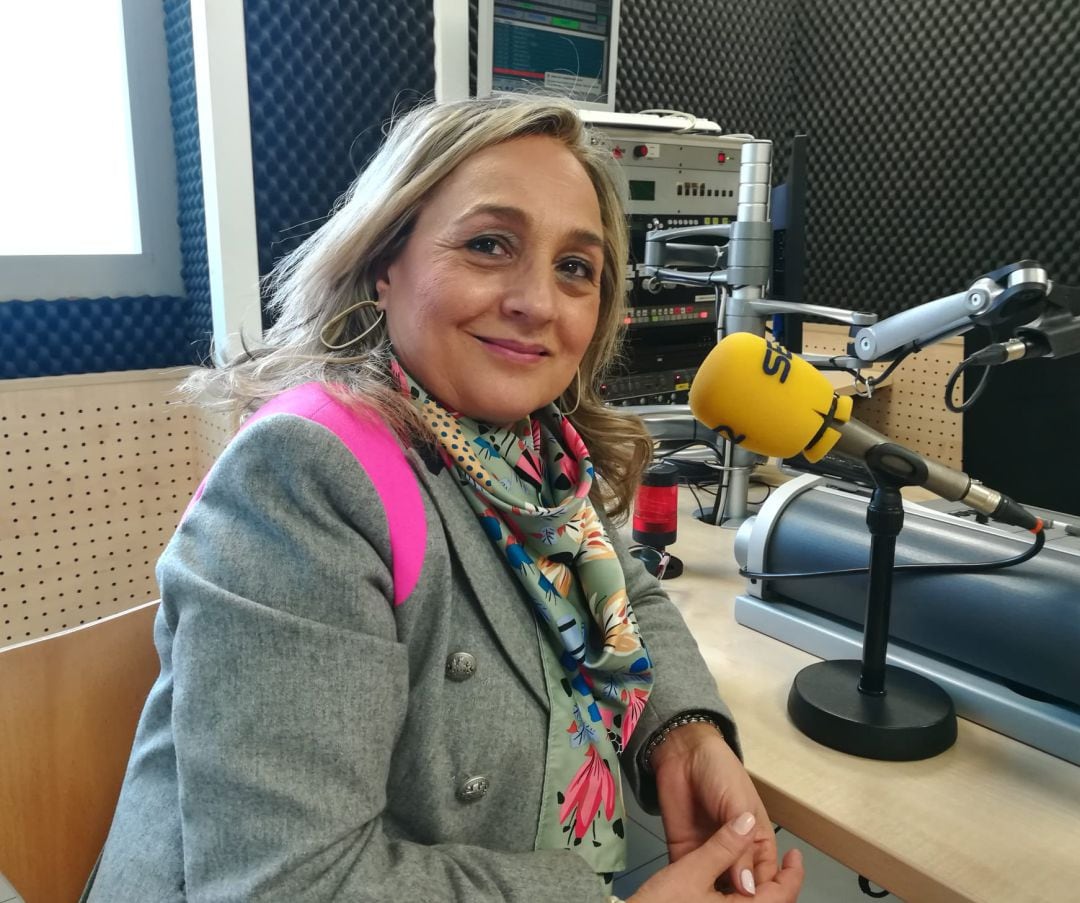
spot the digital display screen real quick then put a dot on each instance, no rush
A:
(641, 190)
(552, 47)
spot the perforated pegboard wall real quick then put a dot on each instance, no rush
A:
(323, 77)
(943, 144)
(908, 408)
(210, 432)
(98, 470)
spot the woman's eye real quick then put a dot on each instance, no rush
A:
(487, 244)
(578, 268)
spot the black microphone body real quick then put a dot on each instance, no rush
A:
(857, 441)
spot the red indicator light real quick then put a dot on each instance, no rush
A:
(721, 157)
(703, 315)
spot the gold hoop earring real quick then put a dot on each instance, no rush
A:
(337, 318)
(577, 394)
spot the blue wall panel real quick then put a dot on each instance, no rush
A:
(92, 335)
(323, 78)
(194, 268)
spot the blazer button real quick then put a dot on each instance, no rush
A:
(460, 666)
(473, 789)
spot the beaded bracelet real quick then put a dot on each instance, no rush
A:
(661, 735)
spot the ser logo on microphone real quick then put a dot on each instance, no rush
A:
(777, 361)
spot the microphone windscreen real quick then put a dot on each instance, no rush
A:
(766, 399)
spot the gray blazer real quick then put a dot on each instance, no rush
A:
(303, 741)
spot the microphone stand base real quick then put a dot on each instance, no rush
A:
(913, 719)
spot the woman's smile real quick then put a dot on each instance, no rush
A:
(520, 352)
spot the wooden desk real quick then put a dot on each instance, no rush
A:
(989, 820)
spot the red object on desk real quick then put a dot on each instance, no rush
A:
(656, 506)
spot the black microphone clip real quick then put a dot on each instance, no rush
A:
(1055, 334)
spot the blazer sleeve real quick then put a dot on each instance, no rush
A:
(290, 689)
(682, 682)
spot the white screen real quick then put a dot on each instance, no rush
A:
(67, 169)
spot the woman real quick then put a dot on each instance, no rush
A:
(321, 730)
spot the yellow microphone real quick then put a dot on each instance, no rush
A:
(759, 395)
(768, 400)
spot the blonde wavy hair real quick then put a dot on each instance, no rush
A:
(338, 265)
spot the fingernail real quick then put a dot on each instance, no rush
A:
(744, 824)
(747, 878)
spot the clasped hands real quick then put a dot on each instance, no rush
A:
(719, 835)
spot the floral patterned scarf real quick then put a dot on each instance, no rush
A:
(529, 486)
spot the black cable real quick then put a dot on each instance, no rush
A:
(690, 443)
(918, 569)
(864, 886)
(950, 387)
(850, 371)
(720, 505)
(768, 492)
(690, 486)
(972, 360)
(721, 469)
(874, 380)
(887, 372)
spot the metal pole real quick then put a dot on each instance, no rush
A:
(749, 267)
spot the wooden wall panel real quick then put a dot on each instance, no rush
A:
(97, 470)
(910, 409)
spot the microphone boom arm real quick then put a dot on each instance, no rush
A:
(663, 251)
(1013, 294)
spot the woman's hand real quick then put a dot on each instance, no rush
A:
(702, 784)
(693, 877)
